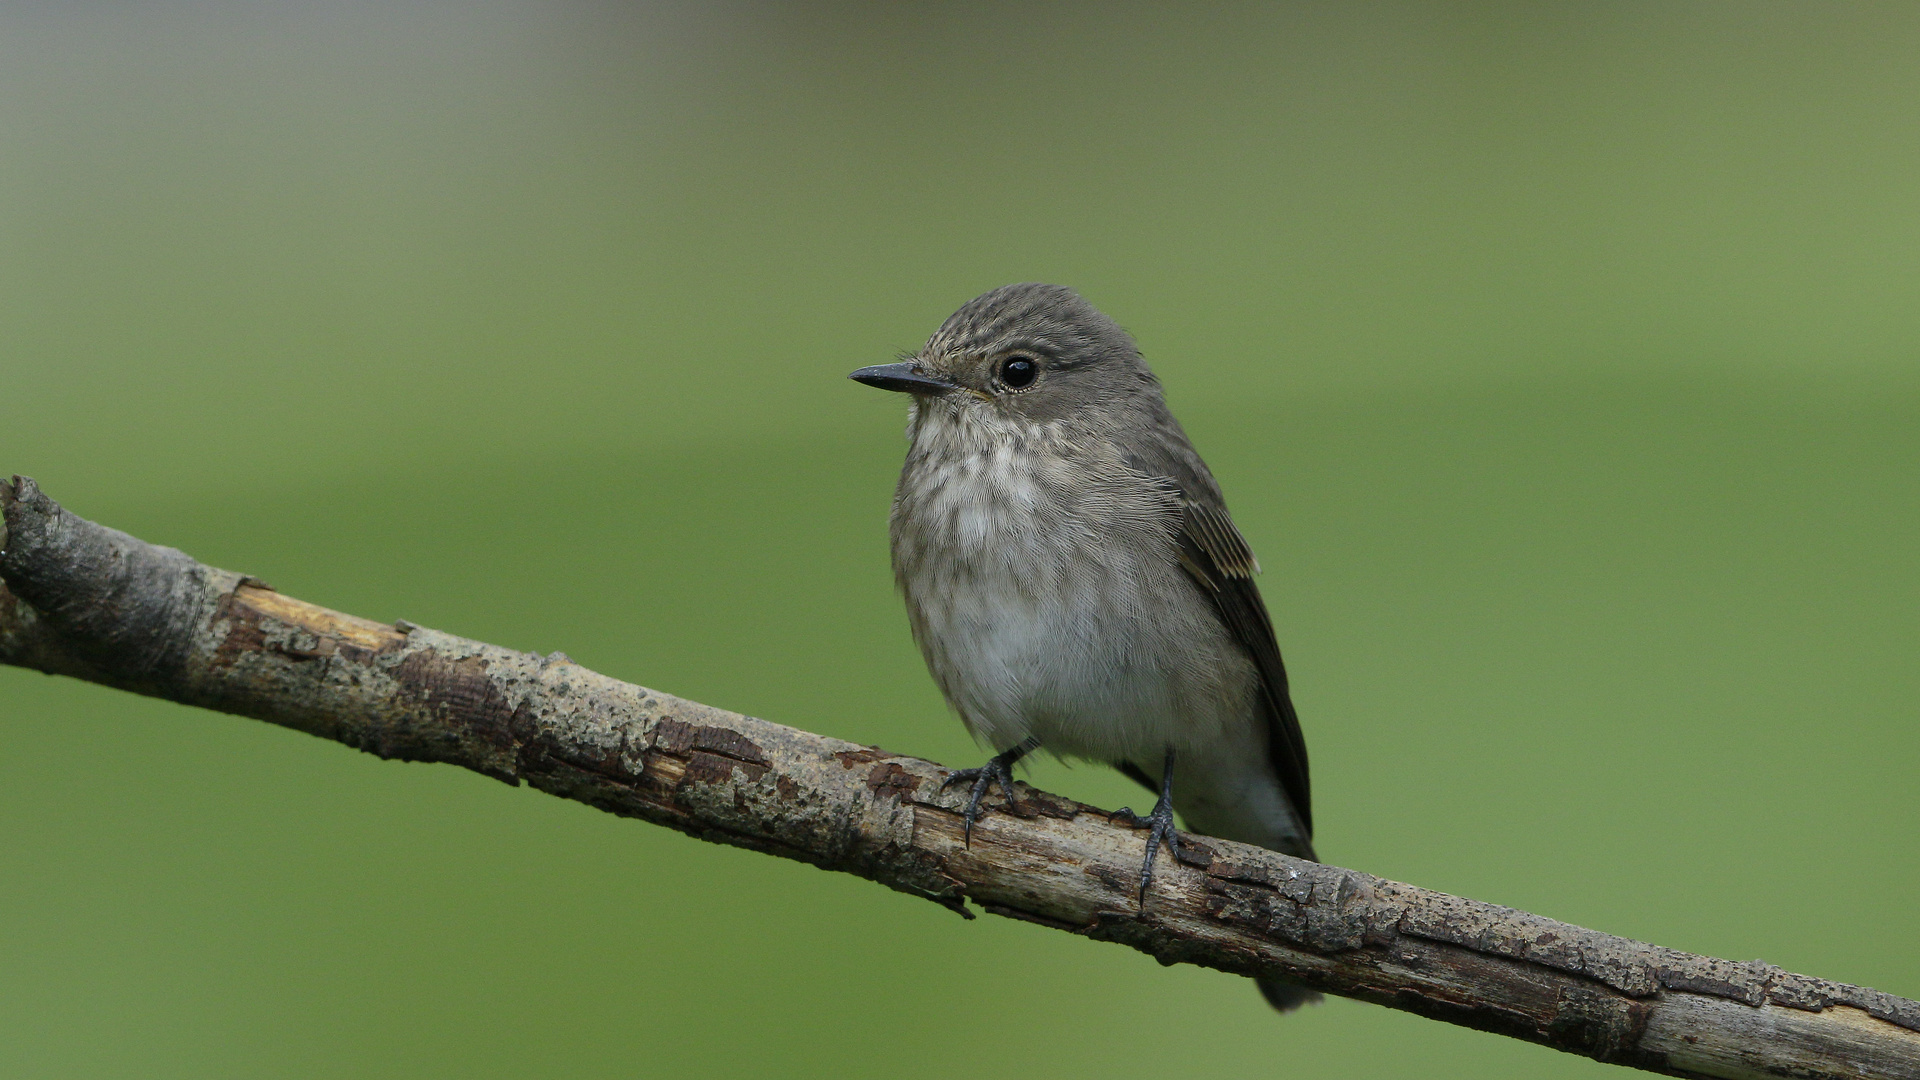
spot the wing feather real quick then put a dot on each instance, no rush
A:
(1217, 557)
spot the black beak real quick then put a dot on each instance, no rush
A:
(901, 377)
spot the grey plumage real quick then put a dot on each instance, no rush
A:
(1073, 577)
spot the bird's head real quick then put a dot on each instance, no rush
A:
(1033, 353)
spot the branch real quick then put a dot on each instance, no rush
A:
(87, 601)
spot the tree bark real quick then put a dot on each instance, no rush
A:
(83, 600)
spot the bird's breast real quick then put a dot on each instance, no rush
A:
(1046, 594)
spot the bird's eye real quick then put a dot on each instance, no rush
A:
(1018, 373)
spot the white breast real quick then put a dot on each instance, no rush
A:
(1044, 588)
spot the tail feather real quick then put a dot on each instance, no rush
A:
(1282, 831)
(1285, 996)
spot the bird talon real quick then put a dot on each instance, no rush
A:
(997, 770)
(1162, 829)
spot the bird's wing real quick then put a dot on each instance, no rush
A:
(1215, 554)
(1217, 558)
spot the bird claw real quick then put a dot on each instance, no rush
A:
(1160, 830)
(997, 770)
(1159, 823)
(983, 778)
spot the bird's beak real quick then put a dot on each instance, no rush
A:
(902, 377)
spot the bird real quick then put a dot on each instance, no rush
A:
(1075, 582)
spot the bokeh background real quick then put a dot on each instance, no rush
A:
(1561, 362)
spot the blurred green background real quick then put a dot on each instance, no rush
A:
(1561, 362)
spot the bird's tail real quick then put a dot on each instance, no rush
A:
(1285, 996)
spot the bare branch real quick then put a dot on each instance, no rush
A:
(82, 600)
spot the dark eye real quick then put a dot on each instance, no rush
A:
(1018, 373)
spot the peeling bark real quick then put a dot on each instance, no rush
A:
(82, 600)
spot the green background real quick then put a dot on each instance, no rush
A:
(1561, 362)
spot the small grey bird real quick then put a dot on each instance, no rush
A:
(1075, 583)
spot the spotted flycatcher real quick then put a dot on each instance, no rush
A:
(1075, 582)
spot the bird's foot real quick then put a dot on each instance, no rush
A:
(997, 770)
(1160, 828)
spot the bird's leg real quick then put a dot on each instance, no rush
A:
(997, 770)
(1161, 828)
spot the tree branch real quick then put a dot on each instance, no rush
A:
(82, 600)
